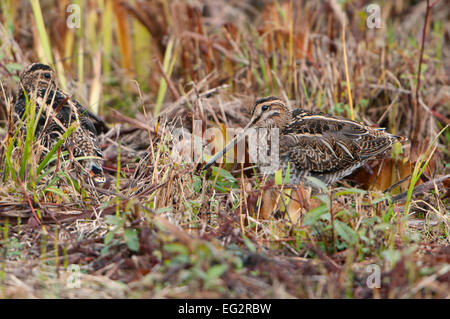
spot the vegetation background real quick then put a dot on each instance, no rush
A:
(159, 228)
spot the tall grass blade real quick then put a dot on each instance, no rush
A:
(123, 36)
(55, 148)
(419, 168)
(107, 35)
(43, 37)
(169, 61)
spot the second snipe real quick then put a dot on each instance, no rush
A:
(314, 144)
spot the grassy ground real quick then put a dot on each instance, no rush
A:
(159, 228)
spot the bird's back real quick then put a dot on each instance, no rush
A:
(329, 147)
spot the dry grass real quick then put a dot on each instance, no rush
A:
(158, 228)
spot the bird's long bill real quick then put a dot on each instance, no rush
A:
(228, 146)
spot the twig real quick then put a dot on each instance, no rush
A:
(30, 203)
(424, 33)
(203, 82)
(421, 188)
(119, 116)
(347, 78)
(169, 82)
(329, 263)
(387, 190)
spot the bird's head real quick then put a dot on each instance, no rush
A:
(96, 171)
(38, 76)
(270, 112)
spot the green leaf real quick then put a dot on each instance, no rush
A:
(57, 191)
(216, 271)
(11, 67)
(287, 177)
(314, 214)
(163, 210)
(197, 184)
(364, 103)
(223, 174)
(249, 244)
(382, 198)
(392, 256)
(384, 227)
(278, 177)
(109, 237)
(131, 239)
(175, 247)
(347, 233)
(225, 180)
(111, 219)
(347, 191)
(317, 183)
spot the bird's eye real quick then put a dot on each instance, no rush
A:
(96, 170)
(47, 75)
(265, 108)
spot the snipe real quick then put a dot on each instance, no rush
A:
(314, 144)
(59, 112)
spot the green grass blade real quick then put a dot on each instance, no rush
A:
(169, 61)
(419, 169)
(43, 37)
(55, 148)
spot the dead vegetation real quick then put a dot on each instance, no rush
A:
(158, 228)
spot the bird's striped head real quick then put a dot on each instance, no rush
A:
(270, 112)
(38, 76)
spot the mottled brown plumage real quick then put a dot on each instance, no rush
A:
(314, 144)
(58, 113)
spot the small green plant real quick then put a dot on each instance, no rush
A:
(129, 235)
(419, 168)
(225, 181)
